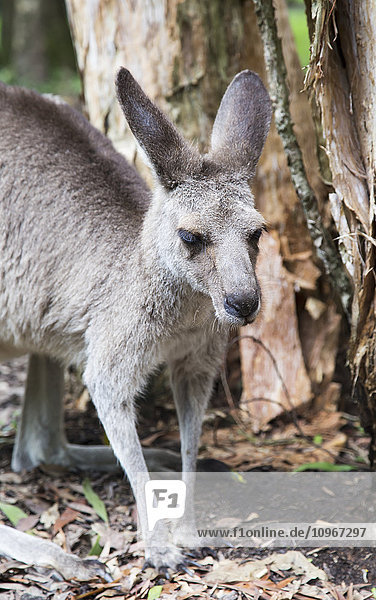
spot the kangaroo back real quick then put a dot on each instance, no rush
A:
(70, 207)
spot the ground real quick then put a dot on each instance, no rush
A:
(55, 505)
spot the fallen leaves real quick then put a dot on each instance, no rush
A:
(27, 523)
(284, 445)
(49, 516)
(75, 513)
(280, 576)
(155, 592)
(229, 571)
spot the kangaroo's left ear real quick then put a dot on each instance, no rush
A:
(172, 158)
(242, 124)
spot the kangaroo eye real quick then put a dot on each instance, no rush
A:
(191, 239)
(255, 236)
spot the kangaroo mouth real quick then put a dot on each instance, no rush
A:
(231, 317)
(234, 321)
(242, 321)
(250, 319)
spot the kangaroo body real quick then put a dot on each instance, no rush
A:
(97, 271)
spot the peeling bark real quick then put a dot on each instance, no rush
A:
(342, 75)
(313, 333)
(273, 370)
(323, 243)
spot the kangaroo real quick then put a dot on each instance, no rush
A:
(98, 271)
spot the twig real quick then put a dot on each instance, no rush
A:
(275, 365)
(226, 387)
(277, 75)
(263, 399)
(369, 239)
(279, 375)
(215, 586)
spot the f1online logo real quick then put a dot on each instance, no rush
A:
(165, 499)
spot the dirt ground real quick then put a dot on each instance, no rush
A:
(56, 507)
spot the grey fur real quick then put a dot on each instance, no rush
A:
(93, 270)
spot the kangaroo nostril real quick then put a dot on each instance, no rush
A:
(241, 305)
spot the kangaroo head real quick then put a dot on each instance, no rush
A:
(205, 226)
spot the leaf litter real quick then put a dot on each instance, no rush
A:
(79, 512)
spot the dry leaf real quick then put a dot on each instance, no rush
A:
(10, 478)
(66, 517)
(27, 523)
(251, 517)
(49, 516)
(229, 571)
(228, 522)
(118, 540)
(297, 562)
(82, 401)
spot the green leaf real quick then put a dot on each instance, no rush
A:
(323, 466)
(12, 512)
(317, 440)
(238, 477)
(96, 548)
(373, 590)
(94, 500)
(360, 459)
(154, 592)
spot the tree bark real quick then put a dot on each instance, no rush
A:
(342, 75)
(321, 238)
(183, 54)
(27, 52)
(313, 331)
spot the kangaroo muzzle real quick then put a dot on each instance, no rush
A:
(242, 305)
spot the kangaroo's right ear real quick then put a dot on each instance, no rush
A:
(242, 124)
(171, 157)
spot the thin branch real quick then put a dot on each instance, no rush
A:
(279, 93)
(278, 373)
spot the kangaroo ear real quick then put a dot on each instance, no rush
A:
(242, 124)
(171, 157)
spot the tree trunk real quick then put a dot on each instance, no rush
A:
(28, 56)
(7, 23)
(313, 331)
(35, 40)
(183, 54)
(343, 76)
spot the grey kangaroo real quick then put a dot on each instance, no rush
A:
(98, 271)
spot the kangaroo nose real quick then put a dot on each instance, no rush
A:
(241, 305)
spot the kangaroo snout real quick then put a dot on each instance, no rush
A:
(243, 305)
